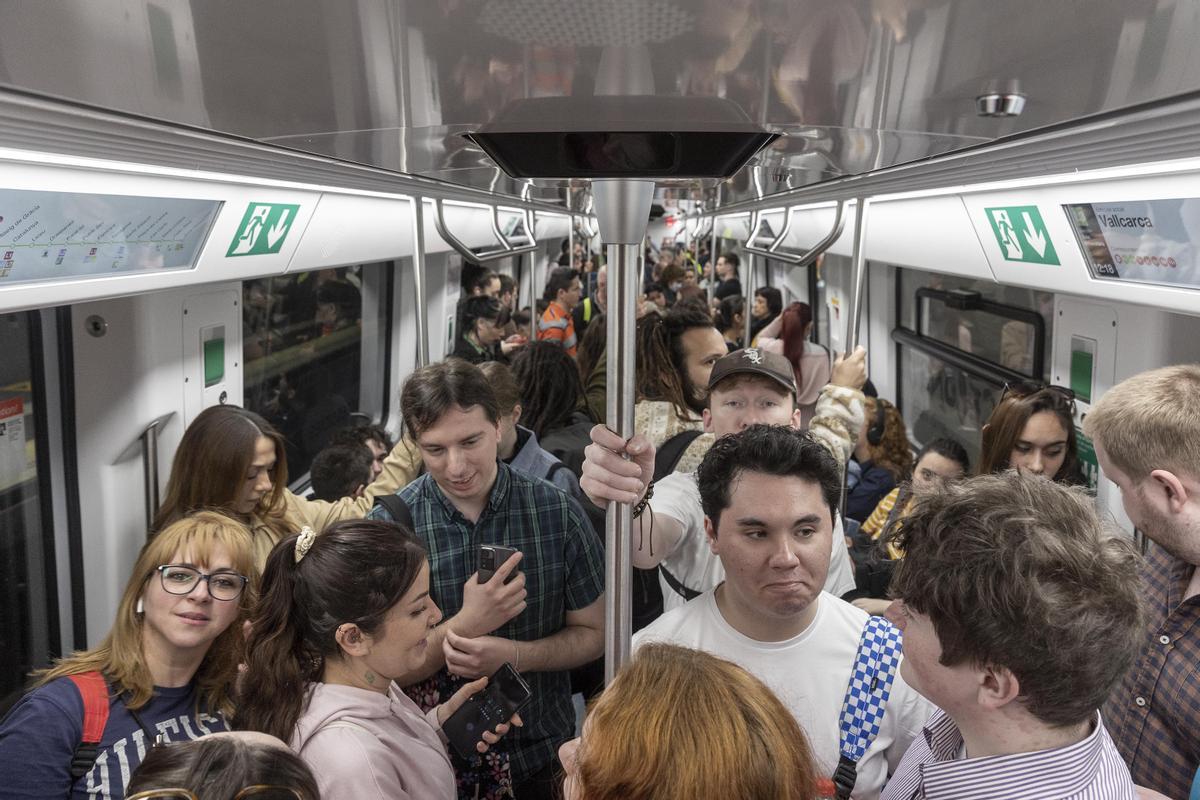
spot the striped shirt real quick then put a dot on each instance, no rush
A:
(557, 326)
(1154, 713)
(1091, 769)
(563, 565)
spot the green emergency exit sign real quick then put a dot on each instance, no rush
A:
(1022, 235)
(263, 229)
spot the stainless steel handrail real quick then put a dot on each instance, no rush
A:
(506, 247)
(839, 223)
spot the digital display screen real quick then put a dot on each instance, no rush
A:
(54, 236)
(1142, 241)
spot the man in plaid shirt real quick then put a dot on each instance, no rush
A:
(548, 619)
(1147, 435)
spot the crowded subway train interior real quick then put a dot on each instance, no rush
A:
(282, 206)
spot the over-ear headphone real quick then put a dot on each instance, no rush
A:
(875, 432)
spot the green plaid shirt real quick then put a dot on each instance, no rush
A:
(563, 563)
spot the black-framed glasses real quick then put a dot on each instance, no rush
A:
(182, 579)
(1023, 389)
(258, 792)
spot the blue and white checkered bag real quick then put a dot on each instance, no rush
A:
(867, 695)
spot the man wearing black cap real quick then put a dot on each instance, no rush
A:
(746, 387)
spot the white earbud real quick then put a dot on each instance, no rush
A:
(139, 608)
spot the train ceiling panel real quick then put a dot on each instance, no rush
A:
(856, 85)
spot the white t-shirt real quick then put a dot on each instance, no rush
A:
(692, 561)
(809, 674)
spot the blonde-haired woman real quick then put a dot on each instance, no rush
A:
(166, 668)
(679, 724)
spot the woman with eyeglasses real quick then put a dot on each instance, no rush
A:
(1032, 429)
(165, 671)
(225, 766)
(341, 616)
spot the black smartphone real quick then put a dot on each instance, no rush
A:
(505, 695)
(491, 556)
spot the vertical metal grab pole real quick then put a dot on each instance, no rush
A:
(622, 209)
(858, 273)
(712, 261)
(419, 281)
(748, 294)
(624, 267)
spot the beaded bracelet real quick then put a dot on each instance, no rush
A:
(645, 501)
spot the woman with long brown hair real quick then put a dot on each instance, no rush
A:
(167, 668)
(680, 724)
(342, 615)
(232, 460)
(1032, 429)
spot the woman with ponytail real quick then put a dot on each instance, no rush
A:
(340, 616)
(675, 355)
(165, 670)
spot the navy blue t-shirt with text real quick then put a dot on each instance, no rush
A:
(39, 736)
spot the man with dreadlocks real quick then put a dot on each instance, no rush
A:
(675, 355)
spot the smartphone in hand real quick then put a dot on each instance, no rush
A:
(505, 695)
(491, 556)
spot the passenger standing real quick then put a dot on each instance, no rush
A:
(1147, 435)
(731, 322)
(882, 455)
(1032, 429)
(768, 304)
(551, 396)
(747, 387)
(340, 470)
(939, 463)
(770, 497)
(519, 447)
(791, 334)
(341, 617)
(481, 334)
(675, 356)
(233, 460)
(642, 737)
(166, 669)
(592, 360)
(373, 437)
(592, 306)
(728, 283)
(1020, 613)
(562, 295)
(466, 499)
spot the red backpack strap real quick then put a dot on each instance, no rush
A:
(93, 689)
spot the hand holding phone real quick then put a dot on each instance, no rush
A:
(491, 557)
(486, 714)
(488, 603)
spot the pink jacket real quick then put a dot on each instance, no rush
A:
(365, 745)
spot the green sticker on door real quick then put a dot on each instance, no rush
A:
(1022, 235)
(263, 229)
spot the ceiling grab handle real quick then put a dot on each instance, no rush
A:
(771, 251)
(506, 248)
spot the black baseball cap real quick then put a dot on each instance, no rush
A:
(754, 361)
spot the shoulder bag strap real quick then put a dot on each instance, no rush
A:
(867, 694)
